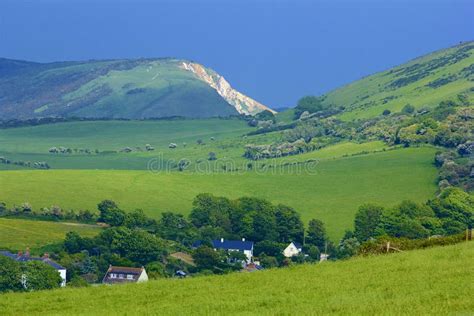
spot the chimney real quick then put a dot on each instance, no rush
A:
(27, 252)
(222, 239)
(243, 239)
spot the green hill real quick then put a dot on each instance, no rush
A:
(436, 281)
(134, 89)
(443, 75)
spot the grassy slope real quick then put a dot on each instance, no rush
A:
(32, 143)
(17, 234)
(365, 98)
(437, 281)
(332, 194)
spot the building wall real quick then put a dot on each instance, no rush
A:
(143, 277)
(62, 273)
(290, 251)
(249, 254)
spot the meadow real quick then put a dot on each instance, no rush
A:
(17, 234)
(332, 191)
(434, 281)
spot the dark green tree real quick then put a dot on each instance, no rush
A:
(206, 258)
(10, 275)
(289, 224)
(368, 218)
(110, 213)
(38, 275)
(316, 234)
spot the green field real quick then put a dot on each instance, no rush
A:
(332, 191)
(17, 234)
(437, 281)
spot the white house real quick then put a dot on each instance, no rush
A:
(323, 257)
(293, 249)
(116, 275)
(246, 247)
(45, 259)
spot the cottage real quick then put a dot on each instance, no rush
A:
(293, 249)
(116, 275)
(45, 259)
(246, 247)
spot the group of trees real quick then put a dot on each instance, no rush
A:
(452, 212)
(28, 164)
(281, 149)
(133, 239)
(455, 169)
(27, 276)
(48, 213)
(311, 104)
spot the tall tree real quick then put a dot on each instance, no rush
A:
(289, 224)
(367, 220)
(316, 234)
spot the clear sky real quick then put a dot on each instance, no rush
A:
(274, 51)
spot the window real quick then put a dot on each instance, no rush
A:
(113, 275)
(120, 276)
(129, 276)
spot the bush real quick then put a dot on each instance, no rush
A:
(408, 109)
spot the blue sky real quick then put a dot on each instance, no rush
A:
(274, 51)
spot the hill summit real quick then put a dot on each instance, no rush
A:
(131, 89)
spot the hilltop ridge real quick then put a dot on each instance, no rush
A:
(123, 88)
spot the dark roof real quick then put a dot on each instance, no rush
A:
(124, 271)
(232, 244)
(26, 258)
(196, 244)
(297, 245)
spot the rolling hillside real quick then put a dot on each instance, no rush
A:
(446, 74)
(133, 89)
(436, 281)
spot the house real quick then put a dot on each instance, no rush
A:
(24, 257)
(117, 275)
(246, 247)
(323, 257)
(293, 249)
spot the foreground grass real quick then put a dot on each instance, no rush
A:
(434, 281)
(333, 193)
(17, 234)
